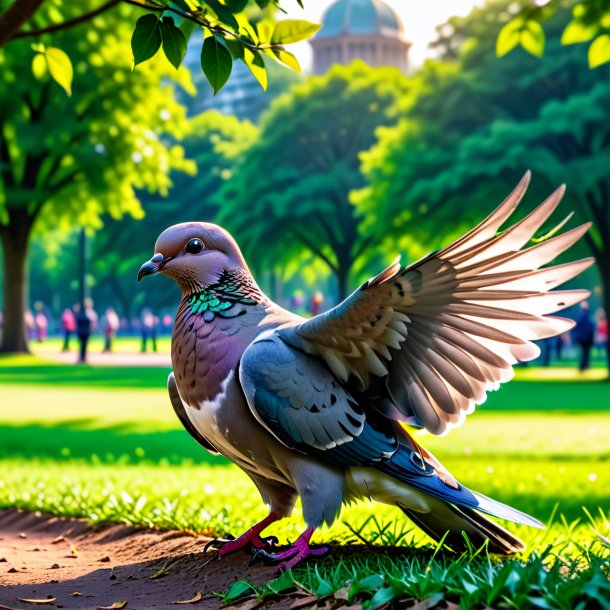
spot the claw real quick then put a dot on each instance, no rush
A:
(293, 555)
(218, 543)
(270, 559)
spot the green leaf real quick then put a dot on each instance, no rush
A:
(174, 42)
(532, 38)
(146, 38)
(238, 589)
(257, 66)
(223, 13)
(236, 48)
(284, 58)
(60, 68)
(599, 51)
(577, 31)
(293, 30)
(187, 27)
(236, 6)
(288, 59)
(509, 37)
(216, 62)
(39, 65)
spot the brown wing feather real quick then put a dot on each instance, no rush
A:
(444, 331)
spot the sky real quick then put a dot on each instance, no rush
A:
(419, 17)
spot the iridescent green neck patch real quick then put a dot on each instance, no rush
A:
(225, 298)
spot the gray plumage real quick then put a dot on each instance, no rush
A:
(315, 408)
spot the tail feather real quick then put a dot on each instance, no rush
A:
(503, 511)
(448, 521)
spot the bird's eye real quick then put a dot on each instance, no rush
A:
(194, 246)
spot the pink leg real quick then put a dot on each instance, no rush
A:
(292, 556)
(249, 540)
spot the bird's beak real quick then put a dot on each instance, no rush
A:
(154, 265)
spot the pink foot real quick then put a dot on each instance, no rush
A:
(288, 559)
(249, 541)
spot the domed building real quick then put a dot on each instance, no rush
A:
(360, 29)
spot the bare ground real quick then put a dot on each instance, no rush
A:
(42, 556)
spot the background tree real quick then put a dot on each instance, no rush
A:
(214, 144)
(290, 193)
(64, 161)
(478, 122)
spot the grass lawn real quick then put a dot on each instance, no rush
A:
(104, 443)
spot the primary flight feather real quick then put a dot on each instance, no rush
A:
(313, 407)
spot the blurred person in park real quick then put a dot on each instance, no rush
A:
(168, 322)
(41, 322)
(584, 334)
(30, 324)
(111, 324)
(68, 326)
(148, 323)
(601, 332)
(86, 322)
(316, 303)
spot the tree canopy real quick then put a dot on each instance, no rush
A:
(289, 195)
(68, 160)
(479, 122)
(234, 30)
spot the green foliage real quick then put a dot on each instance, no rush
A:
(290, 191)
(292, 30)
(174, 42)
(231, 34)
(216, 62)
(57, 63)
(70, 159)
(476, 124)
(590, 22)
(146, 38)
(233, 24)
(529, 34)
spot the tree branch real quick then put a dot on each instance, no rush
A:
(312, 246)
(196, 18)
(15, 16)
(363, 246)
(69, 23)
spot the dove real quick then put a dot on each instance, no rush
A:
(324, 408)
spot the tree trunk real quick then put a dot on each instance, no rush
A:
(15, 248)
(342, 276)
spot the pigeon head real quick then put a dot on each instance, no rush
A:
(194, 254)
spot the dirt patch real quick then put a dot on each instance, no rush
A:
(83, 567)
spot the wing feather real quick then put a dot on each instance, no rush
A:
(443, 332)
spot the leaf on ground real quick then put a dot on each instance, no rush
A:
(160, 574)
(58, 540)
(76, 593)
(48, 600)
(238, 589)
(197, 598)
(115, 606)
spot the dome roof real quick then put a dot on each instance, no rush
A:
(360, 17)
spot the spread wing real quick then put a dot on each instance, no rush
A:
(174, 397)
(429, 340)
